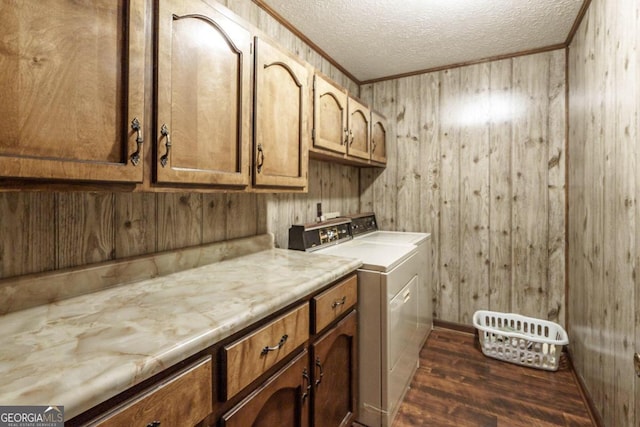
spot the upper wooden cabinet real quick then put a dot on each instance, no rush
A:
(343, 127)
(359, 129)
(378, 138)
(281, 110)
(204, 96)
(330, 129)
(72, 85)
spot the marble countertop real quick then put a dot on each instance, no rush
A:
(81, 351)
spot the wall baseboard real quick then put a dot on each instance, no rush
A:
(460, 327)
(586, 396)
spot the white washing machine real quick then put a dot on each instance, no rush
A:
(364, 227)
(388, 321)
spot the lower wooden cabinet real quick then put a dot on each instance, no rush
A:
(283, 400)
(335, 372)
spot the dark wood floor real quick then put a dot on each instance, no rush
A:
(456, 385)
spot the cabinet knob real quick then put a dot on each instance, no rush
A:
(319, 365)
(278, 346)
(135, 126)
(307, 389)
(164, 131)
(260, 158)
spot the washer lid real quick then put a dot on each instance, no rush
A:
(374, 256)
(395, 237)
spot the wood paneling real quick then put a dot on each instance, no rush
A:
(603, 291)
(27, 233)
(477, 159)
(135, 223)
(84, 228)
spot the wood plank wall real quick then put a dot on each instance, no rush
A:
(477, 158)
(47, 231)
(604, 218)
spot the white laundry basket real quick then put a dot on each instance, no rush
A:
(519, 339)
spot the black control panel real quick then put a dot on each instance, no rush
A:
(310, 237)
(363, 223)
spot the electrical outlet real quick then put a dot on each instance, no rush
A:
(636, 363)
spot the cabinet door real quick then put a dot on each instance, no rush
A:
(281, 107)
(72, 81)
(378, 138)
(329, 115)
(359, 120)
(335, 376)
(282, 401)
(203, 124)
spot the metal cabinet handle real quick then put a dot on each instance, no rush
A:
(305, 377)
(260, 158)
(373, 145)
(319, 365)
(164, 130)
(346, 137)
(351, 137)
(278, 346)
(339, 302)
(135, 126)
(154, 424)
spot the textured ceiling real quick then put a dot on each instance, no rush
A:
(379, 38)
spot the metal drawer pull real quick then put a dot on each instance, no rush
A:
(319, 365)
(135, 126)
(339, 302)
(165, 132)
(154, 424)
(305, 377)
(260, 158)
(278, 346)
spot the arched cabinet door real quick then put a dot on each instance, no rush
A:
(283, 400)
(359, 128)
(378, 138)
(329, 115)
(281, 124)
(203, 122)
(335, 375)
(72, 88)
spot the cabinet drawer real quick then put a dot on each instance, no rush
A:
(184, 399)
(333, 302)
(251, 356)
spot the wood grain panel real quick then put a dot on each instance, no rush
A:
(449, 293)
(408, 178)
(241, 215)
(557, 176)
(474, 190)
(603, 213)
(385, 195)
(431, 176)
(84, 228)
(214, 217)
(135, 224)
(500, 268)
(27, 233)
(179, 220)
(530, 201)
